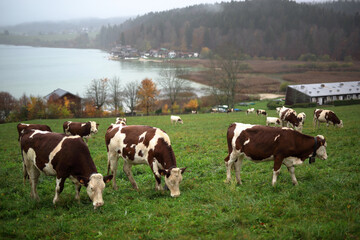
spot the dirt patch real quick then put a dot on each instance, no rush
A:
(270, 96)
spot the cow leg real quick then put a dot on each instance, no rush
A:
(231, 159)
(77, 191)
(238, 165)
(113, 164)
(32, 172)
(155, 169)
(58, 189)
(127, 170)
(276, 170)
(291, 169)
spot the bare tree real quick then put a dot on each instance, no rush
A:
(97, 92)
(115, 94)
(130, 95)
(225, 74)
(171, 82)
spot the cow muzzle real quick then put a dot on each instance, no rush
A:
(98, 204)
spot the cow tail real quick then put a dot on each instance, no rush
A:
(108, 165)
(25, 173)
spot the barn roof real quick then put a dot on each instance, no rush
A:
(59, 93)
(328, 89)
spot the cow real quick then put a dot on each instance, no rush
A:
(261, 112)
(289, 118)
(84, 130)
(328, 116)
(120, 121)
(138, 144)
(262, 143)
(301, 117)
(278, 109)
(194, 112)
(229, 110)
(250, 110)
(63, 156)
(22, 126)
(273, 120)
(176, 119)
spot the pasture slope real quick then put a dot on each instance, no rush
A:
(325, 204)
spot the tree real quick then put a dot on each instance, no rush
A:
(130, 95)
(147, 94)
(115, 94)
(36, 108)
(97, 92)
(7, 104)
(192, 104)
(171, 82)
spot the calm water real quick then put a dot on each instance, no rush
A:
(39, 71)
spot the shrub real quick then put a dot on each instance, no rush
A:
(283, 86)
(346, 102)
(274, 104)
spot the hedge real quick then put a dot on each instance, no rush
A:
(346, 102)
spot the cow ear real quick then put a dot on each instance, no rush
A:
(83, 180)
(183, 170)
(108, 178)
(163, 172)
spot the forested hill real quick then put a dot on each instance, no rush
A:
(269, 28)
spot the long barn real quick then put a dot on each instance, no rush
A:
(322, 93)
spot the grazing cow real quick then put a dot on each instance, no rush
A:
(262, 143)
(229, 110)
(289, 118)
(278, 109)
(84, 130)
(273, 120)
(120, 121)
(194, 112)
(22, 126)
(63, 156)
(328, 116)
(250, 110)
(143, 145)
(301, 117)
(176, 119)
(261, 112)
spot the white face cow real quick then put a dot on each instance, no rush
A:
(95, 189)
(321, 151)
(94, 127)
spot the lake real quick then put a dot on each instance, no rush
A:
(39, 71)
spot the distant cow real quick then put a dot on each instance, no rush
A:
(62, 156)
(143, 145)
(273, 120)
(301, 117)
(261, 112)
(289, 118)
(250, 110)
(328, 116)
(22, 126)
(278, 109)
(262, 143)
(84, 130)
(194, 112)
(120, 121)
(176, 119)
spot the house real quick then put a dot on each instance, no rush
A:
(322, 93)
(59, 96)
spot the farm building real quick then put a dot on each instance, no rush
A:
(322, 93)
(60, 96)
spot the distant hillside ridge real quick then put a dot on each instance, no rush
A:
(263, 28)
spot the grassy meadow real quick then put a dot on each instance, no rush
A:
(325, 204)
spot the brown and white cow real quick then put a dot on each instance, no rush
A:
(250, 110)
(261, 143)
(301, 117)
(273, 120)
(22, 126)
(143, 145)
(289, 118)
(84, 130)
(261, 112)
(328, 116)
(63, 156)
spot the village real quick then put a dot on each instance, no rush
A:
(127, 52)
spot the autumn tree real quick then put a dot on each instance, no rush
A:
(192, 104)
(147, 95)
(7, 104)
(172, 82)
(97, 92)
(130, 95)
(36, 108)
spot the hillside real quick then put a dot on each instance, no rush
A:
(271, 28)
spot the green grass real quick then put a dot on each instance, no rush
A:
(325, 204)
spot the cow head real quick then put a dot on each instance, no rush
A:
(94, 127)
(95, 186)
(340, 125)
(173, 177)
(180, 121)
(321, 150)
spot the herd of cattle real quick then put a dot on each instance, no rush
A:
(67, 155)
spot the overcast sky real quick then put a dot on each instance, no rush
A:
(19, 11)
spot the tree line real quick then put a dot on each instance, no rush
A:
(270, 28)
